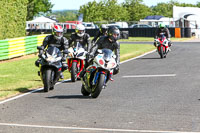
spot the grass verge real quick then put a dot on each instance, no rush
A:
(150, 39)
(19, 76)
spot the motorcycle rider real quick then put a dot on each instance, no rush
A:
(55, 39)
(81, 37)
(162, 29)
(110, 42)
(102, 32)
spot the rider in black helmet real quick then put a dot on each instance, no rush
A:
(102, 32)
(110, 42)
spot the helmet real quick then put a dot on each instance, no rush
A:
(80, 30)
(57, 32)
(113, 33)
(103, 28)
(162, 26)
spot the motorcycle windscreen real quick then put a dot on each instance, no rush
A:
(107, 54)
(77, 46)
(53, 51)
(162, 36)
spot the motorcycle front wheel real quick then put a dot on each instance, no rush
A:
(47, 80)
(74, 71)
(84, 92)
(161, 52)
(99, 86)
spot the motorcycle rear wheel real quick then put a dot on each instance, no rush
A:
(99, 86)
(74, 71)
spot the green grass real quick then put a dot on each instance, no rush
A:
(129, 50)
(151, 39)
(21, 75)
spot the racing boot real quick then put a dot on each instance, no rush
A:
(61, 75)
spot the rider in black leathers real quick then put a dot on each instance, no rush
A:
(102, 32)
(55, 39)
(81, 37)
(110, 42)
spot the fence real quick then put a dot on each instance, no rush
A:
(132, 32)
(11, 48)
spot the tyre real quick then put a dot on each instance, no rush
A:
(99, 86)
(74, 71)
(161, 52)
(84, 92)
(52, 80)
(47, 79)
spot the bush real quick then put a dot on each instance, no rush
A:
(13, 18)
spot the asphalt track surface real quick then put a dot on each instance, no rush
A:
(149, 95)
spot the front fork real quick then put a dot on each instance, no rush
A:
(80, 64)
(97, 74)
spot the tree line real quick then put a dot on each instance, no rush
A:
(130, 10)
(106, 10)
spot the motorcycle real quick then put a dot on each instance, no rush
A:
(75, 60)
(50, 67)
(98, 73)
(162, 45)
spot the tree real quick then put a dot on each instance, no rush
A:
(114, 11)
(64, 15)
(92, 11)
(36, 6)
(137, 10)
(166, 9)
(107, 10)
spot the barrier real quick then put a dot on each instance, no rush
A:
(132, 32)
(177, 33)
(11, 48)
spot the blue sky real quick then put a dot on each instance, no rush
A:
(75, 4)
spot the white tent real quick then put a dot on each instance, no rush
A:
(40, 23)
(42, 20)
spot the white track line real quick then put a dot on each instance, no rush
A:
(93, 129)
(137, 57)
(147, 76)
(16, 97)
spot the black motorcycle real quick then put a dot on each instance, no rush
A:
(50, 67)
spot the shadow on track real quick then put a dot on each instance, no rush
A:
(70, 97)
(148, 58)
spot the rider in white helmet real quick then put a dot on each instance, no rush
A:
(81, 37)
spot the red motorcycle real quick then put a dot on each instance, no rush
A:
(75, 59)
(162, 45)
